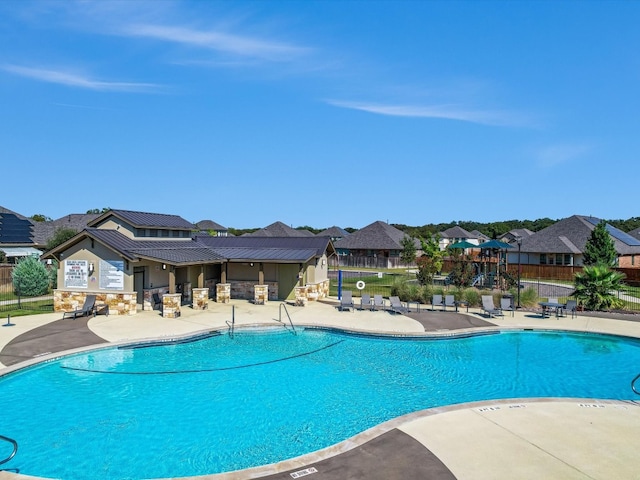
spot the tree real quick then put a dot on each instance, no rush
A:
(600, 249)
(595, 287)
(97, 210)
(60, 236)
(3, 257)
(38, 217)
(30, 277)
(408, 254)
(462, 271)
(430, 262)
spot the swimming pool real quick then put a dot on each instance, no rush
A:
(220, 404)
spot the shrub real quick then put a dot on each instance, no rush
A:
(473, 296)
(528, 297)
(30, 278)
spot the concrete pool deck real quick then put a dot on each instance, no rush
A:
(516, 438)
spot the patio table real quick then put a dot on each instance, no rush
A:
(548, 307)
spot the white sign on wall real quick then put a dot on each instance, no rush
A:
(111, 275)
(75, 273)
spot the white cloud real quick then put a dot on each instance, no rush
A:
(75, 80)
(227, 43)
(554, 155)
(447, 112)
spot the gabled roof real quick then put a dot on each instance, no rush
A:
(206, 249)
(456, 232)
(479, 235)
(43, 231)
(206, 225)
(146, 220)
(333, 232)
(570, 235)
(376, 236)
(279, 229)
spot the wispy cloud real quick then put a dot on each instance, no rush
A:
(446, 112)
(227, 43)
(77, 81)
(559, 154)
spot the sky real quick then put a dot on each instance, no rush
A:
(321, 113)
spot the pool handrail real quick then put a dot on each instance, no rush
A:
(15, 448)
(293, 329)
(633, 384)
(232, 324)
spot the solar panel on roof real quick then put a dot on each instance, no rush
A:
(14, 229)
(616, 233)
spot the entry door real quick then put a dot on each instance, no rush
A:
(138, 285)
(287, 281)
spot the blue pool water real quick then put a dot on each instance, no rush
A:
(221, 404)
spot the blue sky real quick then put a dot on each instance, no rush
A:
(321, 113)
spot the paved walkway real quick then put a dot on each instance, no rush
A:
(516, 438)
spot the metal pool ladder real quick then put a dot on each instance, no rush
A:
(633, 384)
(15, 448)
(232, 324)
(284, 305)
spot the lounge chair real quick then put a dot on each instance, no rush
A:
(449, 301)
(572, 306)
(488, 306)
(346, 301)
(365, 302)
(157, 301)
(506, 304)
(436, 300)
(87, 309)
(378, 302)
(397, 306)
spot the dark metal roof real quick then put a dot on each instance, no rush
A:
(207, 249)
(178, 256)
(15, 230)
(147, 220)
(293, 255)
(318, 244)
(376, 236)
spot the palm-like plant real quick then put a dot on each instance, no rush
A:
(595, 287)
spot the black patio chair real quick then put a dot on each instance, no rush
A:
(87, 309)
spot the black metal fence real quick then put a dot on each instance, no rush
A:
(11, 298)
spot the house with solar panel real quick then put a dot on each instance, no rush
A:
(563, 243)
(17, 236)
(137, 261)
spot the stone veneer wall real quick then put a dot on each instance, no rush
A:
(245, 290)
(200, 298)
(312, 292)
(260, 294)
(120, 303)
(147, 303)
(171, 305)
(223, 292)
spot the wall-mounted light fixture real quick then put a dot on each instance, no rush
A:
(251, 264)
(91, 268)
(164, 266)
(324, 262)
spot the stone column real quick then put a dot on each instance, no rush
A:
(200, 298)
(223, 293)
(171, 305)
(260, 294)
(301, 296)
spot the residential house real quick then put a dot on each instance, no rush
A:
(279, 229)
(16, 236)
(212, 228)
(377, 245)
(511, 237)
(563, 243)
(127, 257)
(334, 233)
(456, 234)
